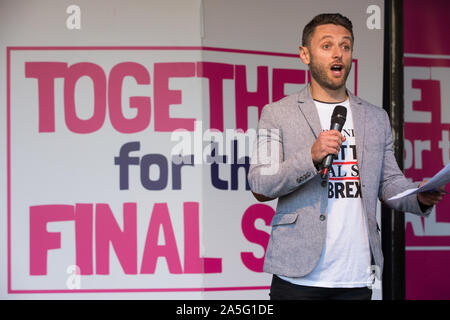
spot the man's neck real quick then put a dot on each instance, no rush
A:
(327, 95)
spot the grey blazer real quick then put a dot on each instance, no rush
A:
(299, 225)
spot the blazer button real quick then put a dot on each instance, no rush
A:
(323, 183)
(322, 217)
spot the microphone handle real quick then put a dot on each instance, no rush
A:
(328, 160)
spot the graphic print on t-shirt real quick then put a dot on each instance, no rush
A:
(344, 173)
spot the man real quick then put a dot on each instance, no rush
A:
(325, 240)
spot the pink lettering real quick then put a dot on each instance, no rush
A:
(152, 251)
(74, 73)
(46, 73)
(245, 99)
(84, 237)
(192, 261)
(254, 212)
(164, 97)
(124, 242)
(216, 73)
(141, 104)
(40, 239)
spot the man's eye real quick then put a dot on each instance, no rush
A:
(326, 46)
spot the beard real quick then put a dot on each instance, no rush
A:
(320, 73)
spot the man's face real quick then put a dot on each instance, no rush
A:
(330, 55)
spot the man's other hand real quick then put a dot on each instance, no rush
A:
(431, 198)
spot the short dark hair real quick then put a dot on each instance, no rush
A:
(325, 18)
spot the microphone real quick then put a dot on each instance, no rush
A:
(337, 123)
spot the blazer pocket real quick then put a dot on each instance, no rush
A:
(284, 218)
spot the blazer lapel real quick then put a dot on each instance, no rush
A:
(359, 119)
(309, 111)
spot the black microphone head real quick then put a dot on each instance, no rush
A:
(339, 115)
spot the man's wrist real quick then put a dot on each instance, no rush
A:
(424, 207)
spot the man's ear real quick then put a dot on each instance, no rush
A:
(304, 55)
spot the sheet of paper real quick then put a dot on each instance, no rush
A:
(439, 179)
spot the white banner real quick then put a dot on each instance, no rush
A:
(96, 197)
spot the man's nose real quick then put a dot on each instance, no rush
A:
(337, 52)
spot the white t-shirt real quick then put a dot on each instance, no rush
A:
(345, 260)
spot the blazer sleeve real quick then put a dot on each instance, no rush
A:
(393, 181)
(270, 173)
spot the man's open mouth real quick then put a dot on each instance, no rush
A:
(337, 69)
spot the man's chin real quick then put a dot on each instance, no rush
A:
(327, 81)
(334, 86)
